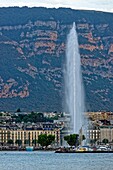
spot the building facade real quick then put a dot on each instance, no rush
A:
(106, 132)
(101, 134)
(93, 135)
(27, 137)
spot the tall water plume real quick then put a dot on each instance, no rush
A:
(73, 83)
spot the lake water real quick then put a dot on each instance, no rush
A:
(55, 161)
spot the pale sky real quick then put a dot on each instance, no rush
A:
(98, 5)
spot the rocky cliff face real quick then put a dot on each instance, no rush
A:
(32, 55)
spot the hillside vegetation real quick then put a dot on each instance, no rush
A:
(32, 56)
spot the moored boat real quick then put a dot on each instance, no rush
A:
(29, 148)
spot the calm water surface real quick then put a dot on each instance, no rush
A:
(54, 161)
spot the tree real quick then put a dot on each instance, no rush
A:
(62, 115)
(105, 141)
(45, 140)
(26, 141)
(1, 114)
(83, 137)
(40, 115)
(72, 140)
(18, 110)
(92, 141)
(18, 142)
(10, 142)
(50, 139)
(34, 142)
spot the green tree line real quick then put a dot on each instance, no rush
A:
(33, 117)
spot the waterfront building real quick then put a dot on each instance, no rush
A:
(101, 134)
(26, 136)
(106, 132)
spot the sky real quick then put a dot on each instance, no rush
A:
(98, 5)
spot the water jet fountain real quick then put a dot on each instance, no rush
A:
(73, 83)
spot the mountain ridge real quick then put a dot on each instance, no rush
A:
(32, 55)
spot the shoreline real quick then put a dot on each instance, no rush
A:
(83, 151)
(55, 151)
(23, 150)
